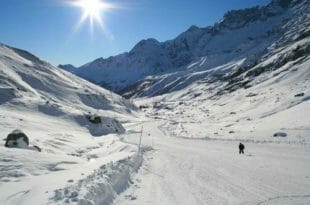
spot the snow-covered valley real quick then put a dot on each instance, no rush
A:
(190, 140)
(240, 81)
(187, 171)
(195, 134)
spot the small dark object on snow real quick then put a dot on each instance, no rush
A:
(241, 148)
(18, 139)
(251, 95)
(38, 148)
(280, 134)
(299, 94)
(13, 138)
(94, 119)
(143, 107)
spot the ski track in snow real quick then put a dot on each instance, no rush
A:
(181, 171)
(16, 198)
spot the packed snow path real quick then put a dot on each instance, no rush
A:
(185, 171)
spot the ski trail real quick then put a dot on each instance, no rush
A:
(180, 171)
(16, 198)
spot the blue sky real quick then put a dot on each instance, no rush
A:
(46, 27)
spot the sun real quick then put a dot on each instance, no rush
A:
(92, 10)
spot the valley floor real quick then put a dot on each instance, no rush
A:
(196, 171)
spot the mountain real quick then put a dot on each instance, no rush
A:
(241, 40)
(35, 85)
(67, 67)
(246, 79)
(253, 91)
(76, 125)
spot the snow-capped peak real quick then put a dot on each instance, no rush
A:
(243, 35)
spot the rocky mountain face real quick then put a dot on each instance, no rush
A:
(231, 50)
(67, 67)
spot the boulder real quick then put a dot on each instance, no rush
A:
(300, 95)
(17, 139)
(280, 134)
(95, 119)
(143, 107)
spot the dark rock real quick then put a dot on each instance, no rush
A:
(280, 134)
(300, 95)
(38, 148)
(94, 119)
(251, 95)
(17, 139)
(143, 107)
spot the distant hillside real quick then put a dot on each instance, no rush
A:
(239, 42)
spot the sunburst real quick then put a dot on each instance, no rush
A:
(92, 10)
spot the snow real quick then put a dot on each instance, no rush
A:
(194, 113)
(50, 106)
(17, 131)
(195, 140)
(183, 171)
(255, 113)
(195, 132)
(243, 36)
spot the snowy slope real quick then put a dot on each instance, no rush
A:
(238, 41)
(242, 80)
(195, 135)
(36, 85)
(199, 116)
(272, 104)
(238, 50)
(195, 132)
(50, 105)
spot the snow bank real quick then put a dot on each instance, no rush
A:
(102, 186)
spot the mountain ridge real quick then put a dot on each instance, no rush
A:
(238, 34)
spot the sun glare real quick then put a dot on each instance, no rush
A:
(92, 10)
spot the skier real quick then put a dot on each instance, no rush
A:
(241, 148)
